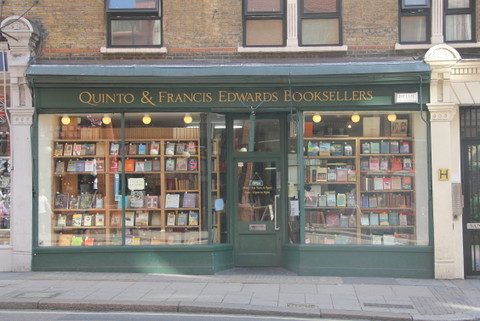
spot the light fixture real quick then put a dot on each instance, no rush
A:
(107, 120)
(146, 119)
(65, 120)
(349, 126)
(355, 118)
(317, 118)
(392, 117)
(187, 119)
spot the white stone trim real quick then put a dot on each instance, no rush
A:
(139, 50)
(441, 54)
(292, 21)
(21, 116)
(437, 22)
(420, 46)
(293, 49)
(442, 112)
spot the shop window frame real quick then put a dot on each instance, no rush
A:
(331, 15)
(263, 15)
(460, 11)
(415, 11)
(126, 14)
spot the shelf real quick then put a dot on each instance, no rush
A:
(182, 226)
(136, 209)
(80, 156)
(395, 154)
(386, 209)
(182, 172)
(182, 209)
(387, 226)
(182, 191)
(386, 138)
(145, 227)
(78, 210)
(331, 138)
(388, 191)
(78, 173)
(330, 208)
(181, 156)
(81, 140)
(399, 173)
(332, 183)
(329, 157)
(80, 227)
(135, 156)
(134, 173)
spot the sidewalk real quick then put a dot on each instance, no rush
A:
(258, 292)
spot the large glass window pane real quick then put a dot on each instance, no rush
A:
(76, 188)
(219, 179)
(293, 192)
(413, 28)
(257, 135)
(319, 6)
(136, 32)
(132, 4)
(320, 32)
(264, 5)
(456, 4)
(4, 180)
(458, 27)
(366, 182)
(264, 32)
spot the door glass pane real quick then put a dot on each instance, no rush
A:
(136, 32)
(132, 4)
(264, 32)
(263, 137)
(413, 28)
(458, 27)
(257, 187)
(320, 32)
(454, 4)
(219, 179)
(264, 5)
(319, 6)
(473, 183)
(415, 3)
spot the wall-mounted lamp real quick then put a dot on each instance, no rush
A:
(146, 119)
(355, 118)
(317, 118)
(65, 120)
(187, 119)
(392, 117)
(107, 120)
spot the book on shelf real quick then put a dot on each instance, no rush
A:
(62, 220)
(182, 164)
(365, 148)
(99, 219)
(374, 219)
(87, 220)
(114, 148)
(407, 182)
(344, 220)
(393, 218)
(180, 148)
(387, 183)
(170, 164)
(402, 219)
(83, 149)
(171, 219)
(364, 200)
(364, 164)
(129, 218)
(374, 164)
(378, 183)
(140, 166)
(351, 175)
(331, 198)
(116, 219)
(90, 165)
(154, 148)
(342, 174)
(322, 200)
(61, 200)
(100, 165)
(371, 126)
(156, 165)
(383, 219)
(79, 166)
(313, 148)
(384, 164)
(336, 150)
(404, 147)
(189, 200)
(341, 200)
(311, 199)
(397, 164)
(132, 149)
(64, 239)
(192, 164)
(142, 149)
(147, 166)
(192, 218)
(323, 149)
(89, 149)
(394, 147)
(114, 165)
(331, 174)
(169, 148)
(396, 183)
(141, 218)
(191, 148)
(73, 202)
(348, 149)
(77, 240)
(68, 150)
(374, 148)
(151, 201)
(332, 219)
(322, 174)
(89, 241)
(172, 200)
(351, 199)
(60, 167)
(85, 201)
(77, 219)
(156, 219)
(399, 128)
(372, 201)
(136, 199)
(182, 219)
(58, 149)
(129, 165)
(77, 149)
(384, 147)
(407, 163)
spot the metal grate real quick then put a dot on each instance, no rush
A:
(470, 122)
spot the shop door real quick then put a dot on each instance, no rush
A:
(258, 212)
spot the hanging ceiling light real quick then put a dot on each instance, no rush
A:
(65, 120)
(355, 118)
(187, 119)
(317, 118)
(392, 117)
(107, 120)
(146, 119)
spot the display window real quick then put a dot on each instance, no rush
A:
(365, 178)
(4, 181)
(127, 179)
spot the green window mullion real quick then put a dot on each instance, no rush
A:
(123, 177)
(301, 176)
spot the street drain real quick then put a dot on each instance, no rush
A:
(388, 305)
(301, 305)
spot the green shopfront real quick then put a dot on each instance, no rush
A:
(319, 168)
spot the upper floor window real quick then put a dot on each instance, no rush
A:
(459, 24)
(134, 23)
(414, 21)
(320, 22)
(264, 22)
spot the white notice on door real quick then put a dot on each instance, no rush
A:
(473, 226)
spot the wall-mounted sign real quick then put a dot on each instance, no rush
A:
(443, 174)
(257, 227)
(406, 98)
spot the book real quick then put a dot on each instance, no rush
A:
(116, 219)
(374, 164)
(151, 201)
(402, 219)
(384, 164)
(141, 218)
(114, 148)
(374, 219)
(191, 148)
(169, 164)
(77, 219)
(139, 166)
(73, 202)
(396, 164)
(79, 166)
(341, 200)
(407, 163)
(89, 241)
(406, 182)
(89, 149)
(132, 149)
(189, 200)
(383, 219)
(156, 165)
(60, 167)
(332, 219)
(399, 128)
(172, 201)
(374, 148)
(396, 182)
(87, 220)
(393, 218)
(348, 150)
(366, 148)
(169, 148)
(99, 219)
(77, 240)
(331, 174)
(365, 220)
(313, 148)
(394, 147)
(351, 199)
(342, 174)
(182, 164)
(64, 240)
(311, 200)
(62, 220)
(61, 200)
(371, 126)
(192, 164)
(83, 149)
(129, 165)
(77, 149)
(404, 147)
(156, 219)
(384, 147)
(364, 164)
(100, 165)
(324, 149)
(372, 201)
(180, 148)
(365, 201)
(58, 149)
(68, 150)
(136, 199)
(344, 220)
(322, 174)
(378, 183)
(331, 199)
(387, 183)
(129, 218)
(89, 165)
(336, 150)
(192, 218)
(154, 148)
(182, 219)
(171, 219)
(142, 149)
(322, 200)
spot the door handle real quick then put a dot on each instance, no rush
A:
(275, 212)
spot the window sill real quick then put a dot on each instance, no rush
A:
(429, 45)
(140, 50)
(293, 49)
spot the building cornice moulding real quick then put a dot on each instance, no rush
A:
(442, 112)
